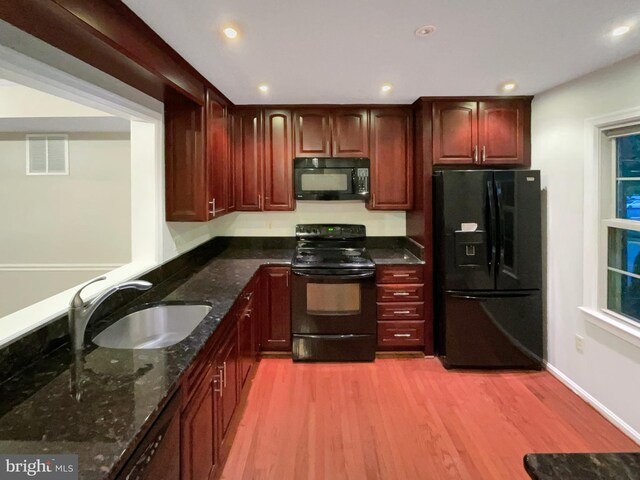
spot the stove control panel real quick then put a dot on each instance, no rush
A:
(326, 230)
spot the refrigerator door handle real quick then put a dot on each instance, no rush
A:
(493, 235)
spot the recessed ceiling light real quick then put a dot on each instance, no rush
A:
(386, 87)
(263, 88)
(425, 30)
(509, 86)
(621, 30)
(230, 32)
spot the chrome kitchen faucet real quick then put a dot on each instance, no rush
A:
(80, 312)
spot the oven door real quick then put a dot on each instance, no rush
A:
(333, 302)
(324, 183)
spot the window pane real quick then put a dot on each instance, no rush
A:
(624, 250)
(623, 295)
(628, 199)
(628, 150)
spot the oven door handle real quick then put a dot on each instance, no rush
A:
(350, 276)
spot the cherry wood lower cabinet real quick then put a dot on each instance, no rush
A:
(275, 332)
(401, 315)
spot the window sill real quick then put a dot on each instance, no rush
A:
(611, 324)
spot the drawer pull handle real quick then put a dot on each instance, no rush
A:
(401, 294)
(402, 311)
(400, 274)
(401, 334)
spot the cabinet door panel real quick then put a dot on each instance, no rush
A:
(278, 161)
(391, 159)
(217, 155)
(227, 366)
(455, 133)
(276, 323)
(350, 132)
(186, 189)
(247, 155)
(502, 132)
(197, 433)
(312, 133)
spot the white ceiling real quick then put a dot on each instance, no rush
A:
(342, 51)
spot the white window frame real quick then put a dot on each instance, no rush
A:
(46, 136)
(599, 214)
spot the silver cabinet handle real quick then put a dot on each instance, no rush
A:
(221, 376)
(217, 381)
(397, 275)
(401, 334)
(259, 202)
(224, 366)
(212, 203)
(475, 154)
(401, 294)
(484, 154)
(402, 311)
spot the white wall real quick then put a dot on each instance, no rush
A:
(62, 230)
(609, 368)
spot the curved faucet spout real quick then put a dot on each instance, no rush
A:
(80, 312)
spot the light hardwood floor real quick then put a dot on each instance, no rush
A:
(407, 419)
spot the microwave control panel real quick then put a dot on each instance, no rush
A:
(362, 180)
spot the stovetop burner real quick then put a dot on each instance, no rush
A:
(324, 249)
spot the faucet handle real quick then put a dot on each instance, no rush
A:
(76, 301)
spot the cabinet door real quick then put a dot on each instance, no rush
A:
(247, 156)
(504, 132)
(246, 356)
(276, 323)
(198, 454)
(391, 159)
(278, 160)
(312, 133)
(227, 366)
(186, 189)
(217, 155)
(455, 133)
(350, 132)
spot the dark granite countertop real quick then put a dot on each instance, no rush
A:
(120, 392)
(583, 466)
(389, 256)
(102, 407)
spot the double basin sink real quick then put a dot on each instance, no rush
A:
(157, 326)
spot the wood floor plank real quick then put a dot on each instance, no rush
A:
(407, 418)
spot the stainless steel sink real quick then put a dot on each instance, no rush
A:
(154, 327)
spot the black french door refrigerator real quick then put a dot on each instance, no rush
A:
(488, 272)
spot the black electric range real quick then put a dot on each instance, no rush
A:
(333, 294)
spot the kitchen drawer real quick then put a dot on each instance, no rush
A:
(401, 311)
(401, 334)
(400, 274)
(400, 293)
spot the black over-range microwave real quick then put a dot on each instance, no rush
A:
(331, 178)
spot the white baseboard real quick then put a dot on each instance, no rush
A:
(587, 397)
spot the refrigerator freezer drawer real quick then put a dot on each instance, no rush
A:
(492, 330)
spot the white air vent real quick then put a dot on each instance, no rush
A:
(47, 154)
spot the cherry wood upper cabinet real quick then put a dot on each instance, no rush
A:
(217, 154)
(278, 160)
(350, 132)
(455, 133)
(312, 133)
(391, 154)
(185, 162)
(485, 132)
(247, 158)
(503, 126)
(275, 332)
